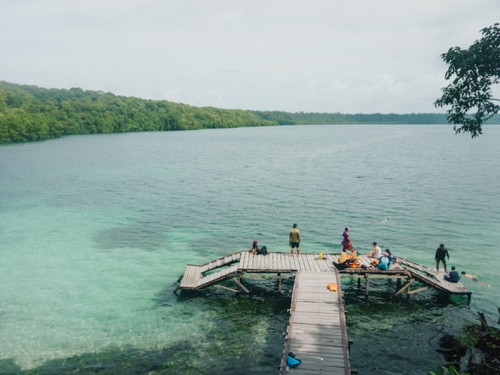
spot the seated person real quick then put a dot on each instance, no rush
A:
(453, 276)
(342, 261)
(376, 253)
(255, 248)
(386, 261)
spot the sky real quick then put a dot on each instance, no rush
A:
(347, 56)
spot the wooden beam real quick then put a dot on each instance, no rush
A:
(261, 276)
(238, 282)
(418, 290)
(373, 276)
(226, 288)
(406, 286)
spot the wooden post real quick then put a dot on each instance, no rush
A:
(367, 284)
(238, 282)
(408, 284)
(359, 282)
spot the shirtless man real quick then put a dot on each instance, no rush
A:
(294, 239)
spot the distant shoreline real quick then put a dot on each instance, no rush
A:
(30, 113)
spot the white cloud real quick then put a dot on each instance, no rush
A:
(321, 55)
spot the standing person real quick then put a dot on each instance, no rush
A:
(441, 255)
(346, 242)
(294, 239)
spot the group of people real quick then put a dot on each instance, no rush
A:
(382, 261)
(294, 241)
(440, 257)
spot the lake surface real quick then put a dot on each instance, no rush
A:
(96, 230)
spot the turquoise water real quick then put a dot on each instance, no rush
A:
(96, 230)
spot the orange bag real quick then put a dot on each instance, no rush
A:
(332, 287)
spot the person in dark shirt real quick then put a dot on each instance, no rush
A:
(453, 277)
(441, 255)
(255, 248)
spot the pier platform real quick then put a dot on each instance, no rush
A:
(240, 263)
(317, 329)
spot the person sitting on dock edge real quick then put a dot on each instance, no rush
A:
(453, 276)
(255, 248)
(441, 255)
(294, 239)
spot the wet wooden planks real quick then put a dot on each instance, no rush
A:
(316, 332)
(191, 277)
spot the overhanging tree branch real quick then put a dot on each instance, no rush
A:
(473, 71)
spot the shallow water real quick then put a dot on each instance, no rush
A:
(96, 230)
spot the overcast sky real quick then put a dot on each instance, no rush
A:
(349, 56)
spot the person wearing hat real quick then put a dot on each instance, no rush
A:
(255, 248)
(346, 242)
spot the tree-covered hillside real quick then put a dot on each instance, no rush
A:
(29, 113)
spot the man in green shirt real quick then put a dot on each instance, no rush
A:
(295, 239)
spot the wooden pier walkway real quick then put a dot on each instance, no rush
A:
(242, 262)
(317, 329)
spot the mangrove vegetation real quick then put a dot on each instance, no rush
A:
(30, 113)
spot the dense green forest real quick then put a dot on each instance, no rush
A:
(29, 113)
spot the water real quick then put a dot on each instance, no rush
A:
(96, 230)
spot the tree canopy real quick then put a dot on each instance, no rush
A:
(473, 72)
(30, 113)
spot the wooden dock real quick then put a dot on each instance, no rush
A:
(317, 330)
(238, 264)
